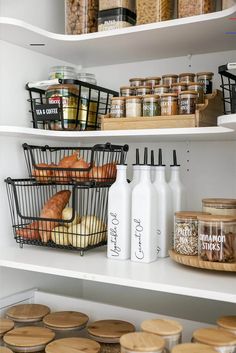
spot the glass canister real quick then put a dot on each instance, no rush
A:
(169, 330)
(28, 339)
(151, 105)
(73, 344)
(160, 89)
(169, 104)
(133, 106)
(150, 11)
(197, 87)
(142, 342)
(193, 348)
(117, 107)
(187, 102)
(5, 326)
(63, 72)
(114, 4)
(81, 16)
(126, 91)
(225, 207)
(206, 78)
(220, 340)
(187, 77)
(186, 232)
(136, 81)
(25, 314)
(228, 323)
(169, 79)
(188, 8)
(66, 323)
(143, 90)
(178, 87)
(108, 333)
(152, 81)
(217, 238)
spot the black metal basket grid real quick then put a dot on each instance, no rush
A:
(228, 85)
(83, 114)
(88, 205)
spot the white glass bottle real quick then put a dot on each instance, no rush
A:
(119, 208)
(177, 188)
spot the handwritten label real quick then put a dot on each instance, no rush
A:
(115, 249)
(139, 253)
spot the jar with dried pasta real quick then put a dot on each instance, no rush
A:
(228, 323)
(169, 104)
(188, 8)
(197, 87)
(220, 340)
(169, 79)
(140, 342)
(150, 11)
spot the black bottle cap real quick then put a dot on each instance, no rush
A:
(175, 164)
(145, 157)
(137, 157)
(160, 164)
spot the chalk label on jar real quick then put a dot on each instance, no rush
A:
(139, 253)
(114, 235)
(212, 242)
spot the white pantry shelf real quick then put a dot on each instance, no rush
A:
(192, 35)
(227, 121)
(163, 275)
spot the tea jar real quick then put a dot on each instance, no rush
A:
(126, 91)
(178, 87)
(108, 333)
(169, 330)
(143, 90)
(217, 238)
(228, 323)
(151, 105)
(5, 326)
(25, 314)
(66, 323)
(169, 104)
(160, 89)
(187, 102)
(142, 342)
(73, 344)
(136, 81)
(187, 77)
(206, 79)
(152, 81)
(28, 339)
(117, 107)
(197, 87)
(193, 348)
(169, 79)
(133, 106)
(220, 340)
(219, 206)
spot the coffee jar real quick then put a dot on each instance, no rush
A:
(219, 206)
(228, 323)
(25, 314)
(140, 342)
(220, 340)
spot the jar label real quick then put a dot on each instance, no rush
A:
(114, 235)
(186, 238)
(217, 246)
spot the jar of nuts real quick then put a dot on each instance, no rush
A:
(81, 16)
(188, 8)
(150, 11)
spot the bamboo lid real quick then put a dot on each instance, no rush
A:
(145, 87)
(118, 98)
(216, 218)
(153, 78)
(73, 345)
(151, 96)
(187, 74)
(228, 322)
(170, 75)
(136, 79)
(190, 214)
(5, 325)
(162, 327)
(200, 84)
(128, 87)
(5, 350)
(216, 201)
(161, 86)
(65, 320)
(28, 337)
(27, 312)
(214, 337)
(188, 92)
(142, 342)
(110, 329)
(193, 348)
(179, 84)
(205, 73)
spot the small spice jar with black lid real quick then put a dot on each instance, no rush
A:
(108, 333)
(169, 104)
(5, 326)
(228, 323)
(151, 105)
(187, 102)
(193, 348)
(140, 342)
(169, 330)
(25, 314)
(126, 91)
(206, 79)
(73, 344)
(220, 340)
(197, 87)
(136, 81)
(169, 79)
(117, 107)
(187, 77)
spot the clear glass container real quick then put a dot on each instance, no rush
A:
(193, 348)
(178, 87)
(113, 4)
(143, 90)
(188, 8)
(169, 79)
(133, 106)
(115, 19)
(187, 102)
(27, 314)
(150, 11)
(197, 87)
(220, 340)
(81, 16)
(73, 344)
(169, 104)
(152, 81)
(136, 81)
(87, 77)
(63, 72)
(140, 342)
(228, 323)
(206, 78)
(217, 238)
(160, 89)
(117, 107)
(225, 207)
(126, 91)
(186, 77)
(151, 105)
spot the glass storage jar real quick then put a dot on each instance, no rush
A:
(142, 342)
(169, 79)
(225, 207)
(63, 72)
(197, 87)
(66, 323)
(126, 91)
(5, 326)
(228, 323)
(151, 105)
(169, 330)
(114, 4)
(81, 16)
(25, 314)
(206, 79)
(152, 81)
(150, 11)
(187, 77)
(73, 344)
(143, 90)
(186, 232)
(117, 107)
(169, 104)
(220, 340)
(133, 106)
(178, 87)
(160, 89)
(187, 102)
(217, 238)
(136, 81)
(193, 348)
(115, 19)
(188, 8)
(87, 77)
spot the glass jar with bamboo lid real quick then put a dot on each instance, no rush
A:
(151, 105)
(143, 90)
(169, 79)
(140, 342)
(73, 344)
(5, 326)
(126, 91)
(206, 78)
(220, 340)
(169, 104)
(187, 77)
(133, 106)
(219, 206)
(160, 89)
(187, 102)
(178, 87)
(117, 107)
(193, 348)
(136, 81)
(25, 314)
(228, 323)
(152, 81)
(197, 87)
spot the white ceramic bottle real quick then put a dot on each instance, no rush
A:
(164, 212)
(119, 210)
(136, 171)
(177, 188)
(143, 217)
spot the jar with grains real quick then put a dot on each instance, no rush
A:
(169, 104)
(126, 91)
(220, 340)
(152, 81)
(63, 72)
(150, 11)
(151, 105)
(117, 107)
(193, 348)
(186, 232)
(228, 323)
(169, 330)
(81, 16)
(227, 3)
(114, 4)
(169, 79)
(73, 344)
(187, 102)
(25, 314)
(225, 207)
(197, 87)
(5, 326)
(142, 342)
(217, 238)
(206, 79)
(143, 90)
(178, 87)
(186, 77)
(137, 81)
(188, 8)
(160, 89)
(108, 333)
(133, 106)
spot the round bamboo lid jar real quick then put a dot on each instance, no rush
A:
(5, 326)
(5, 350)
(142, 342)
(222, 341)
(228, 323)
(73, 344)
(193, 348)
(27, 313)
(28, 339)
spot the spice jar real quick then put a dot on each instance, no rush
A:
(206, 79)
(227, 323)
(160, 89)
(66, 323)
(5, 326)
(187, 102)
(220, 340)
(225, 207)
(188, 8)
(143, 90)
(117, 107)
(142, 342)
(152, 81)
(186, 77)
(169, 330)
(193, 348)
(151, 11)
(63, 72)
(133, 106)
(73, 344)
(81, 16)
(169, 79)
(217, 238)
(186, 232)
(126, 91)
(25, 314)
(28, 339)
(135, 82)
(169, 105)
(151, 106)
(108, 333)
(197, 87)
(178, 87)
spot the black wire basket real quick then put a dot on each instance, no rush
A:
(72, 217)
(228, 85)
(70, 105)
(74, 164)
